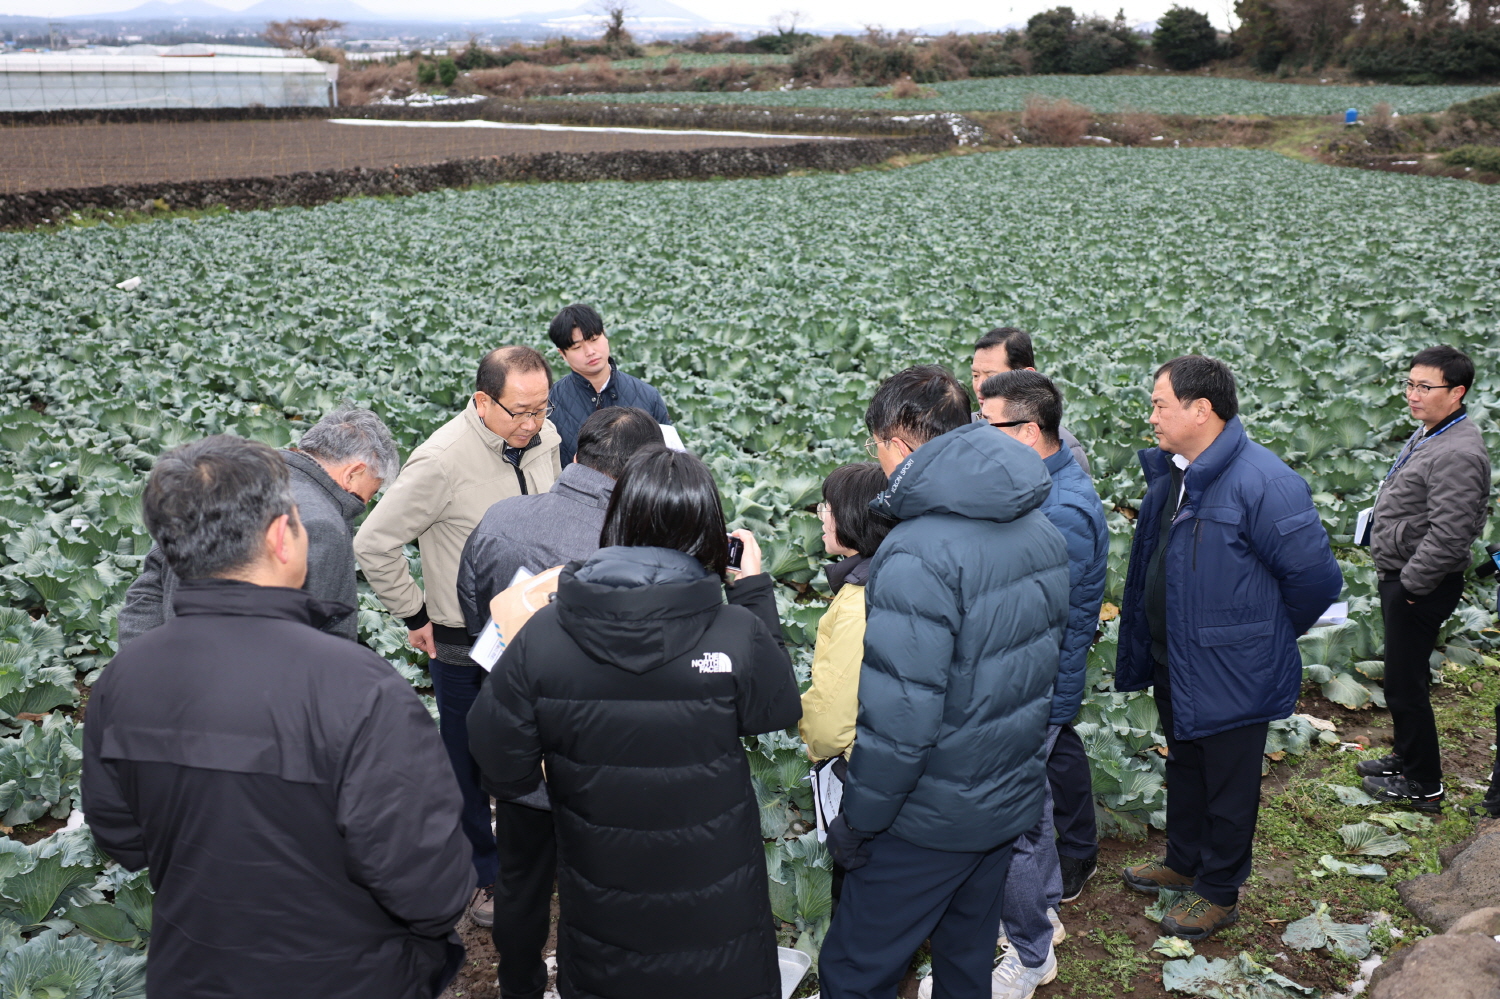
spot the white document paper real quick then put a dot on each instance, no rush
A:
(828, 797)
(672, 438)
(522, 574)
(486, 652)
(1362, 526)
(1337, 613)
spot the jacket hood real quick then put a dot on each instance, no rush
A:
(349, 505)
(585, 485)
(975, 471)
(637, 608)
(236, 598)
(854, 570)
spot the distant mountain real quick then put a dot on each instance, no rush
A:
(643, 11)
(157, 9)
(340, 10)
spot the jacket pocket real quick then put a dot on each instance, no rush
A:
(1235, 634)
(1296, 521)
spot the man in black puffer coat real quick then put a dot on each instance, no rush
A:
(635, 687)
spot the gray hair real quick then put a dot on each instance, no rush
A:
(208, 504)
(352, 434)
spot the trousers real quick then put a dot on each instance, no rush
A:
(906, 894)
(523, 897)
(455, 688)
(1411, 632)
(1213, 801)
(1072, 786)
(1034, 882)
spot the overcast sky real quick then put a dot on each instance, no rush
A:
(816, 13)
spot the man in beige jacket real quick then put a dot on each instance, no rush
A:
(501, 445)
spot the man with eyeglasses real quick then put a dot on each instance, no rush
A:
(1009, 349)
(595, 381)
(501, 445)
(1431, 507)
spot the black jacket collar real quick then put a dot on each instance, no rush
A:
(235, 598)
(854, 570)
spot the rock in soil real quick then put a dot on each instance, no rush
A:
(1471, 882)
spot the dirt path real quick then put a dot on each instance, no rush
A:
(39, 158)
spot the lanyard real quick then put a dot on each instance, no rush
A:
(1413, 450)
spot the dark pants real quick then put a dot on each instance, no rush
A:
(456, 687)
(1072, 796)
(1213, 800)
(1411, 632)
(904, 895)
(523, 897)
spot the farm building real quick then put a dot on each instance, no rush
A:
(60, 81)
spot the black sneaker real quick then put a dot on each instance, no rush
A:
(1075, 873)
(1405, 791)
(1386, 766)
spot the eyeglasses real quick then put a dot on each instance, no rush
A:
(872, 445)
(538, 416)
(823, 509)
(1421, 389)
(1011, 423)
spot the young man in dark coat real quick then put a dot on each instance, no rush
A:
(595, 381)
(966, 606)
(337, 467)
(536, 533)
(1229, 565)
(635, 688)
(1433, 504)
(286, 787)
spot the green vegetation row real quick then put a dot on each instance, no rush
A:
(1159, 94)
(767, 311)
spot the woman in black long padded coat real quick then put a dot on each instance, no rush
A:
(634, 688)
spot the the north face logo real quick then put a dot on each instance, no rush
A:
(713, 662)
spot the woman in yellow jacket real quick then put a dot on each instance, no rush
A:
(853, 530)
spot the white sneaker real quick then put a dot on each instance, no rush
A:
(1059, 933)
(1011, 979)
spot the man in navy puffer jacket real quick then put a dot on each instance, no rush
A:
(1028, 407)
(594, 382)
(967, 600)
(1229, 565)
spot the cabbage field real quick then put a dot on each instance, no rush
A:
(766, 311)
(1162, 94)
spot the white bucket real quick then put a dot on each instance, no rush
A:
(794, 965)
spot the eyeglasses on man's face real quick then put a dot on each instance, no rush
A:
(1010, 423)
(537, 417)
(1420, 389)
(872, 445)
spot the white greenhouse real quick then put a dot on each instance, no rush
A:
(56, 82)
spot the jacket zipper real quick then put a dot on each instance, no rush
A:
(1197, 533)
(520, 477)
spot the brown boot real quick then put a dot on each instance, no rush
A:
(1196, 918)
(482, 907)
(1152, 876)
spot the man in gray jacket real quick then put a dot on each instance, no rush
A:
(337, 466)
(536, 533)
(1434, 502)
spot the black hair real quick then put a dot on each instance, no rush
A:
(848, 491)
(922, 402)
(1455, 365)
(208, 504)
(1197, 377)
(578, 317)
(1030, 396)
(610, 437)
(1017, 344)
(497, 365)
(668, 499)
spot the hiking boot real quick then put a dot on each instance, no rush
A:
(1386, 766)
(1196, 918)
(1152, 876)
(1075, 873)
(482, 908)
(1011, 979)
(1059, 932)
(1402, 790)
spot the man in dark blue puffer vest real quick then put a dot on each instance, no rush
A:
(967, 601)
(1229, 565)
(595, 381)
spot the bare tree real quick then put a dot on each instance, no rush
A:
(615, 12)
(786, 22)
(303, 34)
